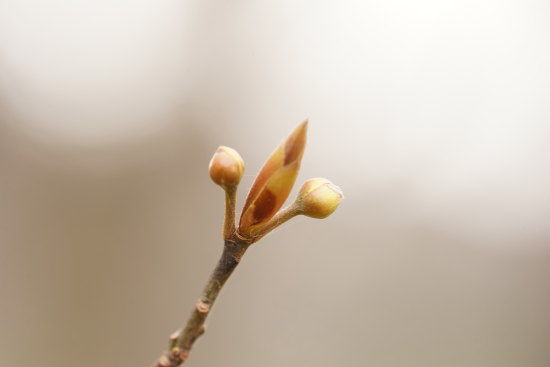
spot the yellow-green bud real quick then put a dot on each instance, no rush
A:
(226, 167)
(318, 198)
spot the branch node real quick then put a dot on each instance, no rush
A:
(164, 361)
(175, 335)
(174, 338)
(202, 306)
(175, 352)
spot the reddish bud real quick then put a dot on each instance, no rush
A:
(274, 182)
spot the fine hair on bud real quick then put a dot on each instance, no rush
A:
(318, 198)
(226, 167)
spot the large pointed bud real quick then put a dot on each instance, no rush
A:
(274, 182)
(318, 198)
(226, 167)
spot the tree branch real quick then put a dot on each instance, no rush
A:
(182, 341)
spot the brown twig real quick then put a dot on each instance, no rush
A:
(317, 198)
(182, 341)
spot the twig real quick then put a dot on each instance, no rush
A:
(317, 198)
(182, 341)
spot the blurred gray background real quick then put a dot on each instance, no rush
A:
(433, 117)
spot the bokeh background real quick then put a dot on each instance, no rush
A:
(433, 117)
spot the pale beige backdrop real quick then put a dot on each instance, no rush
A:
(433, 116)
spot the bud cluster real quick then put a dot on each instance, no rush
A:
(317, 198)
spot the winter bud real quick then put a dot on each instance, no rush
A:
(226, 167)
(318, 198)
(273, 183)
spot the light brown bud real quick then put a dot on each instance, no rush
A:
(318, 198)
(274, 182)
(226, 167)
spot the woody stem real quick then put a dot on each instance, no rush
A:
(182, 341)
(229, 220)
(280, 218)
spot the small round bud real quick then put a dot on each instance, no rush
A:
(226, 167)
(318, 198)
